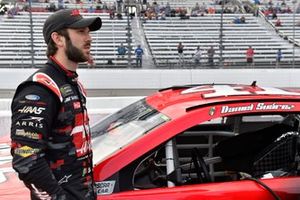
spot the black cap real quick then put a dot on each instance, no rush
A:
(68, 18)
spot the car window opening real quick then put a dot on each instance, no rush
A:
(214, 152)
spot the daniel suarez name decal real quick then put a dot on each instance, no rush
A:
(258, 106)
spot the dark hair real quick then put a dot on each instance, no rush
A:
(51, 46)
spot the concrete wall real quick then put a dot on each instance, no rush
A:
(155, 79)
(134, 82)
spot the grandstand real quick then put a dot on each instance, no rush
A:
(15, 40)
(164, 35)
(160, 37)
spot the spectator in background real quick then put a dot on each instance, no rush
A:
(13, 11)
(250, 56)
(112, 14)
(257, 2)
(243, 19)
(278, 57)
(162, 15)
(274, 15)
(197, 56)
(211, 10)
(91, 9)
(91, 62)
(237, 20)
(121, 50)
(180, 48)
(51, 7)
(60, 4)
(278, 22)
(210, 55)
(139, 56)
(168, 10)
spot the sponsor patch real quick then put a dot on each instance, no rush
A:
(71, 98)
(33, 118)
(65, 179)
(76, 105)
(26, 151)
(28, 134)
(38, 103)
(32, 97)
(30, 124)
(66, 90)
(105, 187)
(31, 110)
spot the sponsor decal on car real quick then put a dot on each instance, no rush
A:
(227, 90)
(258, 107)
(31, 110)
(26, 151)
(212, 111)
(105, 187)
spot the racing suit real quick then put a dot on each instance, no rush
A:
(51, 142)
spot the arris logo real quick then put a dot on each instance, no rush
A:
(31, 110)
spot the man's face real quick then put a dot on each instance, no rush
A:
(78, 45)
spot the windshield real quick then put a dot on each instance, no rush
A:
(123, 127)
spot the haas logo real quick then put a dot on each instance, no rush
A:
(31, 110)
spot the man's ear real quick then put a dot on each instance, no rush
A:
(57, 39)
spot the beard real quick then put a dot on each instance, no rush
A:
(75, 54)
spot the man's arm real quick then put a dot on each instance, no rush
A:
(33, 111)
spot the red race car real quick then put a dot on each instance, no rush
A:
(210, 141)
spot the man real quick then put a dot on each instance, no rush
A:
(250, 56)
(121, 50)
(278, 57)
(180, 48)
(210, 55)
(197, 56)
(139, 56)
(51, 142)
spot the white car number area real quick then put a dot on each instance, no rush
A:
(227, 90)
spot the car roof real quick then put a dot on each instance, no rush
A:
(173, 100)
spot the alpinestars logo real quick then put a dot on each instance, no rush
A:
(31, 110)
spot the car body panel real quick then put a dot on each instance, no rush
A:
(218, 191)
(192, 105)
(185, 107)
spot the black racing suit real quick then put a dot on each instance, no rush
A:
(51, 142)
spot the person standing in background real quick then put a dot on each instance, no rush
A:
(197, 56)
(180, 48)
(250, 56)
(278, 57)
(139, 56)
(210, 55)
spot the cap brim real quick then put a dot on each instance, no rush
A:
(94, 24)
